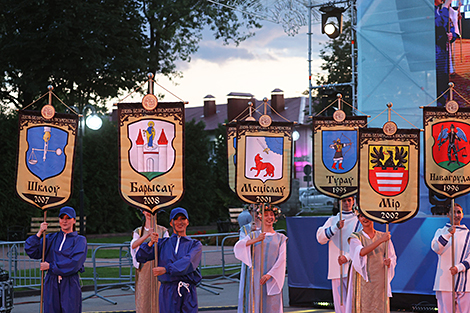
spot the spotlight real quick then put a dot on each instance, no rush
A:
(332, 21)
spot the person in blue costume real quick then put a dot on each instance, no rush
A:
(177, 269)
(65, 256)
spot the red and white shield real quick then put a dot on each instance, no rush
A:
(388, 182)
(388, 169)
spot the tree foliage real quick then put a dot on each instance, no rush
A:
(87, 50)
(336, 56)
(90, 50)
(207, 194)
(12, 211)
(175, 29)
(223, 196)
(198, 181)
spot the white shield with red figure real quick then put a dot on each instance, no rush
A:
(264, 157)
(263, 162)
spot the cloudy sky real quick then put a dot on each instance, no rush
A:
(271, 59)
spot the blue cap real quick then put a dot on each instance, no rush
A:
(69, 211)
(177, 211)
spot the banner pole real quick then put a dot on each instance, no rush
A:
(43, 258)
(386, 270)
(339, 96)
(262, 260)
(252, 278)
(452, 203)
(155, 261)
(341, 250)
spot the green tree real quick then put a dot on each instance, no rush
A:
(13, 211)
(106, 212)
(224, 197)
(175, 28)
(336, 56)
(90, 50)
(199, 185)
(87, 50)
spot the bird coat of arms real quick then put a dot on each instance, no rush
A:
(446, 151)
(389, 174)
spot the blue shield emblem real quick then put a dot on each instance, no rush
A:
(45, 156)
(339, 150)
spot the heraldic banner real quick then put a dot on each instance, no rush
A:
(151, 143)
(46, 150)
(388, 174)
(335, 155)
(446, 149)
(264, 162)
(231, 154)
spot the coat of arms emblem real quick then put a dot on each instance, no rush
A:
(388, 169)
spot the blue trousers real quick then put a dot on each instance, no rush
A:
(178, 297)
(63, 297)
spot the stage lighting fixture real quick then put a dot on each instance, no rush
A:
(332, 21)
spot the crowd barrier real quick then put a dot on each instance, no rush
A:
(24, 272)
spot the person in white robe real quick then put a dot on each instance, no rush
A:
(266, 266)
(338, 239)
(372, 254)
(146, 287)
(442, 245)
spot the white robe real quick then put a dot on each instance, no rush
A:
(274, 265)
(442, 245)
(359, 264)
(329, 233)
(136, 236)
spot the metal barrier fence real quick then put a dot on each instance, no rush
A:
(123, 263)
(24, 272)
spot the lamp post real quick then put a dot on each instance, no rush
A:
(93, 122)
(295, 137)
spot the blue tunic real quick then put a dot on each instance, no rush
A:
(66, 258)
(178, 290)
